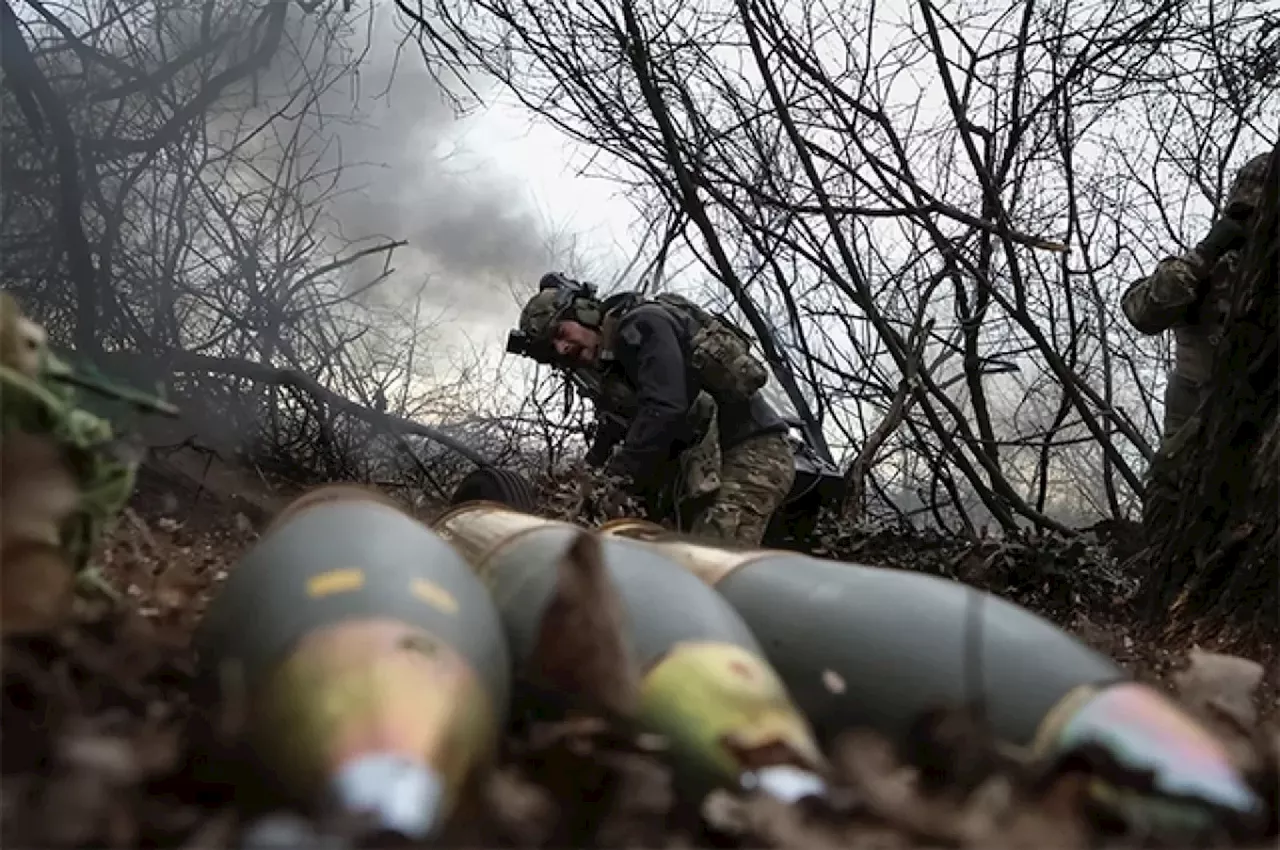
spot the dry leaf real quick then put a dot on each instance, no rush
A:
(889, 789)
(1058, 822)
(776, 824)
(90, 774)
(519, 809)
(953, 748)
(725, 813)
(217, 831)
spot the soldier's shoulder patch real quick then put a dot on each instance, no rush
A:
(631, 332)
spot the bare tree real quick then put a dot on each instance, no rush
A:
(168, 180)
(944, 196)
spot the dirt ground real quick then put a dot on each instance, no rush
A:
(103, 744)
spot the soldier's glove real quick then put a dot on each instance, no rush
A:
(597, 454)
(1227, 234)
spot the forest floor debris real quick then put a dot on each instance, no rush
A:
(103, 744)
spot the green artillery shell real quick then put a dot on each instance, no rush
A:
(372, 661)
(864, 646)
(706, 688)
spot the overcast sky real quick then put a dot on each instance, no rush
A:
(542, 164)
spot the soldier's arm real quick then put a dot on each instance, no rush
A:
(1170, 295)
(1165, 299)
(650, 353)
(610, 430)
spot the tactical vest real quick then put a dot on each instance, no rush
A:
(719, 351)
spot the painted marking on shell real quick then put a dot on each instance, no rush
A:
(335, 581)
(434, 595)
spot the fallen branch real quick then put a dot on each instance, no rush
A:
(187, 363)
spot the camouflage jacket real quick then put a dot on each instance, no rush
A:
(1193, 298)
(62, 478)
(698, 461)
(712, 353)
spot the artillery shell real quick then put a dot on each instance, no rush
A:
(372, 661)
(864, 646)
(704, 684)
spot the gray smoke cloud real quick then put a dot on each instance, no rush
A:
(407, 175)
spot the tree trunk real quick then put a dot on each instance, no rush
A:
(1211, 558)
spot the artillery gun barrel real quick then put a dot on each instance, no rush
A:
(372, 661)
(703, 683)
(875, 647)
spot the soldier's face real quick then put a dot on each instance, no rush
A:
(576, 343)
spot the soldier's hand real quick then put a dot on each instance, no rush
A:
(1227, 234)
(597, 455)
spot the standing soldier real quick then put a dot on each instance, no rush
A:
(1191, 294)
(689, 389)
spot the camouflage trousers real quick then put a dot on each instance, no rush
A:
(755, 477)
(1168, 475)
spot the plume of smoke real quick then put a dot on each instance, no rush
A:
(404, 173)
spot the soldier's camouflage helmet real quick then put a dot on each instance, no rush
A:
(1246, 191)
(559, 298)
(540, 313)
